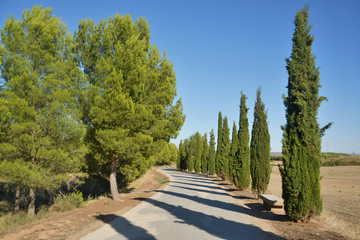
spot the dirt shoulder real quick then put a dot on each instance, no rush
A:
(77, 223)
(276, 221)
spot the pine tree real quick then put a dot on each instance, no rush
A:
(212, 153)
(225, 150)
(302, 134)
(129, 107)
(260, 168)
(242, 160)
(219, 142)
(205, 154)
(233, 150)
(179, 159)
(43, 141)
(198, 152)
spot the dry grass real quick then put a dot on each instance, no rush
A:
(340, 188)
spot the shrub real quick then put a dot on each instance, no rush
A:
(67, 202)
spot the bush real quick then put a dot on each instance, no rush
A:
(67, 202)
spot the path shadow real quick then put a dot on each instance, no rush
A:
(253, 211)
(124, 227)
(202, 190)
(199, 185)
(220, 227)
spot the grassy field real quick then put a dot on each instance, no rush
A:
(340, 188)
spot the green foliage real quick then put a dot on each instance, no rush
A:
(198, 152)
(41, 139)
(67, 202)
(129, 105)
(335, 163)
(242, 160)
(233, 150)
(192, 153)
(302, 134)
(260, 168)
(219, 142)
(224, 151)
(183, 155)
(205, 154)
(212, 154)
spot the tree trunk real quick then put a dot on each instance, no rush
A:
(113, 182)
(31, 209)
(17, 199)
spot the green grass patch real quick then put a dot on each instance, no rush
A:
(162, 180)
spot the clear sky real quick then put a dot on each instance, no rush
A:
(220, 48)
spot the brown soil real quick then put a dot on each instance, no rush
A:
(340, 187)
(77, 223)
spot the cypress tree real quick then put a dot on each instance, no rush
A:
(302, 134)
(260, 168)
(225, 150)
(179, 158)
(191, 155)
(219, 142)
(198, 152)
(212, 153)
(233, 150)
(205, 154)
(242, 160)
(185, 155)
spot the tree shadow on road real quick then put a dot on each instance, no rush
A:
(124, 227)
(199, 185)
(220, 227)
(253, 211)
(202, 190)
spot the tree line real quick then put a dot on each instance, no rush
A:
(243, 161)
(237, 159)
(99, 101)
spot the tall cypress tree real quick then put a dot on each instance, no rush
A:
(192, 151)
(225, 150)
(205, 154)
(233, 150)
(185, 155)
(260, 168)
(219, 142)
(242, 160)
(198, 152)
(302, 134)
(212, 153)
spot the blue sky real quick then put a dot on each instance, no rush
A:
(220, 48)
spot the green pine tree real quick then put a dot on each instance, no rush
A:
(212, 154)
(242, 160)
(260, 168)
(43, 141)
(302, 134)
(184, 155)
(129, 108)
(219, 142)
(233, 150)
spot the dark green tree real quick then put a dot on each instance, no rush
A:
(41, 143)
(212, 154)
(198, 152)
(233, 150)
(260, 168)
(225, 150)
(218, 146)
(302, 134)
(184, 153)
(205, 154)
(242, 160)
(179, 157)
(192, 152)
